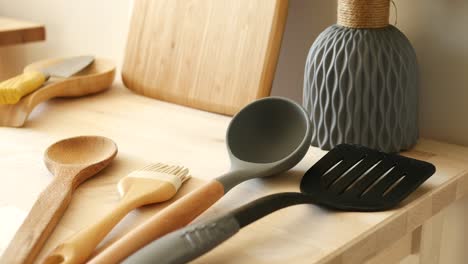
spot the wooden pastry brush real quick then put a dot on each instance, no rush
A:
(151, 184)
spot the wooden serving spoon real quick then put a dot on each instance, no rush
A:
(72, 161)
(95, 78)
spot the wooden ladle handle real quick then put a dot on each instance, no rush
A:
(173, 217)
(39, 224)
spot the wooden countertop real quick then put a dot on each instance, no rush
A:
(13, 31)
(147, 130)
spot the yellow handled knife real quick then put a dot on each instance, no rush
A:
(13, 89)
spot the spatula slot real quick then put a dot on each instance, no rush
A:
(346, 172)
(362, 176)
(332, 168)
(378, 180)
(395, 184)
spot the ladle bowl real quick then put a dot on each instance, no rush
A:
(267, 137)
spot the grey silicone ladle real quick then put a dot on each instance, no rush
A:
(267, 137)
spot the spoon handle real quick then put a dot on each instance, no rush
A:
(173, 217)
(39, 224)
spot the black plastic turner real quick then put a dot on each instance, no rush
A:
(349, 177)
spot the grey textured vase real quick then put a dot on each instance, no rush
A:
(361, 87)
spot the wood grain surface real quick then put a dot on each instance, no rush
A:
(216, 55)
(148, 130)
(14, 31)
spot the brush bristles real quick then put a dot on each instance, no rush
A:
(179, 171)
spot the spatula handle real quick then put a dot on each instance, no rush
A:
(187, 243)
(190, 242)
(39, 224)
(173, 217)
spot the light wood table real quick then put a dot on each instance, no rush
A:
(13, 31)
(147, 130)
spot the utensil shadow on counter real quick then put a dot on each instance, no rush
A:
(41, 112)
(422, 190)
(287, 179)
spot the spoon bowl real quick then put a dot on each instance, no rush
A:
(72, 161)
(88, 154)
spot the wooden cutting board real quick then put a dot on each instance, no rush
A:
(215, 55)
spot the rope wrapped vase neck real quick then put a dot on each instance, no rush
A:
(363, 13)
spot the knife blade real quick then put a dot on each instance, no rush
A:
(68, 67)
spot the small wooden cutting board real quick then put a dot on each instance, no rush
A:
(215, 55)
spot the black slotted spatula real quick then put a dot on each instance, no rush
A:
(349, 177)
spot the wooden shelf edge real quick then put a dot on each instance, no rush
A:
(14, 31)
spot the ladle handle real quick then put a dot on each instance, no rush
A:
(173, 217)
(39, 224)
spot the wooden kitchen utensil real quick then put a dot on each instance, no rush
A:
(349, 178)
(13, 89)
(72, 161)
(95, 78)
(267, 137)
(215, 55)
(152, 184)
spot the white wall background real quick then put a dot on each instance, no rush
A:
(437, 29)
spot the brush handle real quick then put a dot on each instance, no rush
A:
(173, 217)
(79, 247)
(39, 224)
(187, 243)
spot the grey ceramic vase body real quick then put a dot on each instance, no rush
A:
(361, 87)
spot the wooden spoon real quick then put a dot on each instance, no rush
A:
(95, 78)
(72, 161)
